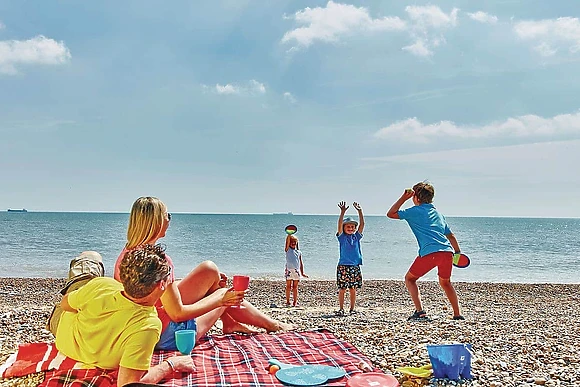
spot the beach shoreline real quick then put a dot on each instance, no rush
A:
(521, 334)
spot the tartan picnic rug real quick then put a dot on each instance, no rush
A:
(220, 360)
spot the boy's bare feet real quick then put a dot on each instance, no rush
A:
(238, 328)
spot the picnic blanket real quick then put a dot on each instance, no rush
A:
(220, 360)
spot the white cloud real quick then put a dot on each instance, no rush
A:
(38, 50)
(227, 89)
(431, 16)
(544, 49)
(528, 126)
(419, 48)
(334, 21)
(550, 35)
(257, 87)
(483, 17)
(289, 97)
(251, 87)
(427, 24)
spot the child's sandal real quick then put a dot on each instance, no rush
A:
(419, 315)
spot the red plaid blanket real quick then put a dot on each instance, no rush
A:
(236, 360)
(229, 360)
(80, 378)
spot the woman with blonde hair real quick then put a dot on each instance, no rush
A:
(199, 299)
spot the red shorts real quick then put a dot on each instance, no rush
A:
(443, 260)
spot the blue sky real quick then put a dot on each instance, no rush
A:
(269, 106)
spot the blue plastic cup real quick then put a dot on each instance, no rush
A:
(185, 341)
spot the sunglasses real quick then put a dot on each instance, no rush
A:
(168, 216)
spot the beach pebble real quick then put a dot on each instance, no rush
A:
(509, 351)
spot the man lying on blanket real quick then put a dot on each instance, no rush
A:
(111, 325)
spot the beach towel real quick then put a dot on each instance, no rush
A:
(220, 360)
(36, 357)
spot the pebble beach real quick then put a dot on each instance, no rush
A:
(521, 334)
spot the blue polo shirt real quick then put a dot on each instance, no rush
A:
(350, 253)
(429, 227)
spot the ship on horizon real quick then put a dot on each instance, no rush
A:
(17, 210)
(282, 213)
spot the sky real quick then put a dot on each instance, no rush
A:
(241, 106)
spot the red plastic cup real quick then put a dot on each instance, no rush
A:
(241, 283)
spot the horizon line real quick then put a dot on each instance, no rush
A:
(280, 214)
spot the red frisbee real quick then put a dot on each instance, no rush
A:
(372, 379)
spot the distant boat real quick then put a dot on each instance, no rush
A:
(282, 213)
(17, 210)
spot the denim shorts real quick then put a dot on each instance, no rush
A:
(167, 340)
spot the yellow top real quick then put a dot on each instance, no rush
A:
(108, 329)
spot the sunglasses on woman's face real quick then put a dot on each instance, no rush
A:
(168, 216)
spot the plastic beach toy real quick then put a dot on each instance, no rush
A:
(461, 260)
(372, 379)
(306, 375)
(450, 360)
(420, 372)
(329, 371)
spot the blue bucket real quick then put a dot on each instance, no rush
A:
(450, 360)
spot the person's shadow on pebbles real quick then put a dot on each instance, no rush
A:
(335, 315)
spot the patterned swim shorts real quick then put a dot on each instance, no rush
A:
(348, 277)
(292, 274)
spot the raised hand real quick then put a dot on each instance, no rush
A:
(408, 193)
(356, 206)
(343, 207)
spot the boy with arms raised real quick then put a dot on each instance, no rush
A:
(348, 273)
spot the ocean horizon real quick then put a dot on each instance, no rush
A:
(283, 214)
(502, 249)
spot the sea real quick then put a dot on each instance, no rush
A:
(507, 250)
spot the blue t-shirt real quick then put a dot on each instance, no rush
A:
(350, 253)
(429, 227)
